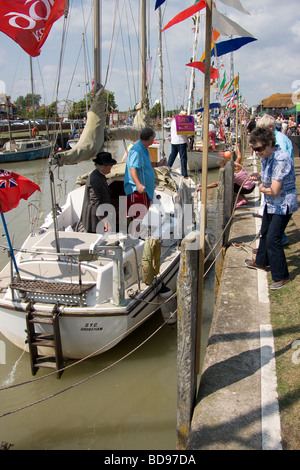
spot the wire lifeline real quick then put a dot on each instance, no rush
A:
(90, 355)
(223, 231)
(84, 380)
(229, 221)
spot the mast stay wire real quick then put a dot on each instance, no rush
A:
(86, 23)
(111, 44)
(129, 44)
(83, 380)
(124, 52)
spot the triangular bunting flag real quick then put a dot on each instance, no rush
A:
(186, 13)
(159, 3)
(235, 4)
(226, 26)
(232, 45)
(201, 66)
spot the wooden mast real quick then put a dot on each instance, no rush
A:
(97, 41)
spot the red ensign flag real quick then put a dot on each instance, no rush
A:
(14, 187)
(28, 22)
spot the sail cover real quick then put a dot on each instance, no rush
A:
(92, 139)
(28, 23)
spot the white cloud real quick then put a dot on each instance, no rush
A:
(296, 31)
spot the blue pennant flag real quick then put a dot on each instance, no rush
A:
(211, 106)
(231, 45)
(159, 3)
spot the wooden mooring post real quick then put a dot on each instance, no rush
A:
(189, 296)
(187, 313)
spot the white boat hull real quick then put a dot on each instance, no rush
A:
(106, 297)
(84, 333)
(194, 162)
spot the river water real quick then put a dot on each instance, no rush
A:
(115, 401)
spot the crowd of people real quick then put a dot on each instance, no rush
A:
(286, 125)
(269, 140)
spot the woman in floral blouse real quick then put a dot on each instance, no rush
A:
(277, 182)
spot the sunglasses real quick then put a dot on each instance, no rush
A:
(259, 149)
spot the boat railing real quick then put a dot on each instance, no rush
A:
(113, 252)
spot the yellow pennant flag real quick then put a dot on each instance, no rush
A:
(214, 38)
(236, 82)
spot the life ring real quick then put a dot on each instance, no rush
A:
(151, 260)
(35, 132)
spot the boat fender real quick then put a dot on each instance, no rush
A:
(151, 260)
(35, 132)
(168, 306)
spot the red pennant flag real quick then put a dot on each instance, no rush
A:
(28, 22)
(186, 13)
(14, 187)
(201, 66)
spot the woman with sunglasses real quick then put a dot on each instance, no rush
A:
(277, 182)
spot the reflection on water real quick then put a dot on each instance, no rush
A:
(131, 405)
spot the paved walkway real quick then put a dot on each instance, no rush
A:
(237, 407)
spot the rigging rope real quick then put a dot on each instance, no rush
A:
(95, 352)
(81, 381)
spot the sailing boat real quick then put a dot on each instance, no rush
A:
(19, 150)
(79, 294)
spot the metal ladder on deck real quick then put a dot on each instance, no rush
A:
(54, 359)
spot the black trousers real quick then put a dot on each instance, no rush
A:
(270, 250)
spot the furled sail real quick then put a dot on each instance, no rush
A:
(132, 133)
(92, 138)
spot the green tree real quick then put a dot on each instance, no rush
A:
(79, 107)
(155, 111)
(24, 104)
(109, 98)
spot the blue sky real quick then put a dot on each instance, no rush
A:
(266, 66)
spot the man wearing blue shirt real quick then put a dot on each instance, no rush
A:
(139, 176)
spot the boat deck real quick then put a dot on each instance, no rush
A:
(68, 289)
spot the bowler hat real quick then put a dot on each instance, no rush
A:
(104, 159)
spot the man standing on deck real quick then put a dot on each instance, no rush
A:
(139, 176)
(97, 192)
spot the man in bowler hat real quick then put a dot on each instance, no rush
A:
(97, 192)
